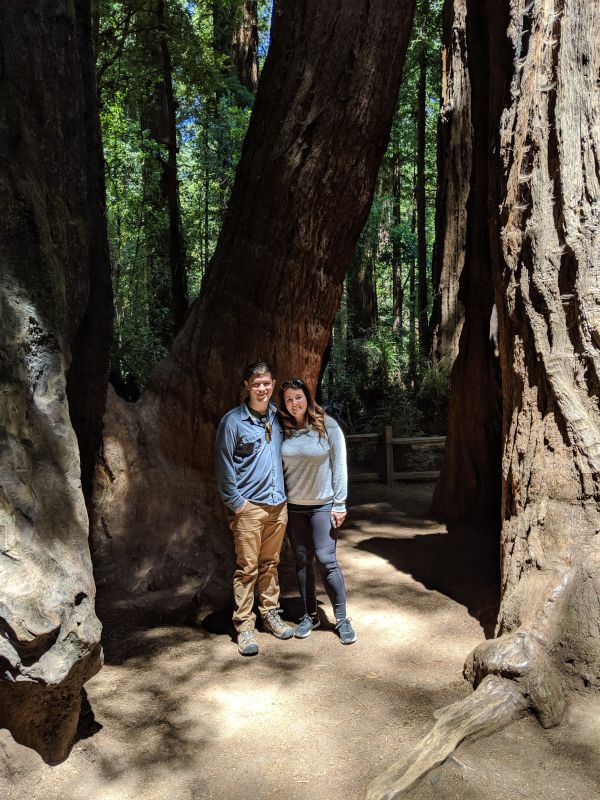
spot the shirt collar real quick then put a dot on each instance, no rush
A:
(245, 413)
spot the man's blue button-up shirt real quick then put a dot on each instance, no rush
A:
(247, 466)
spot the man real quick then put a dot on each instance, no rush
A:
(250, 481)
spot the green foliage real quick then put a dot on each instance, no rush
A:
(213, 110)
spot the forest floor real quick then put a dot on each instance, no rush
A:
(179, 715)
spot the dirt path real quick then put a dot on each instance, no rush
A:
(180, 716)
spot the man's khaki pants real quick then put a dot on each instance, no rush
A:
(258, 535)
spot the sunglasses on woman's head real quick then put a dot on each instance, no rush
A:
(293, 383)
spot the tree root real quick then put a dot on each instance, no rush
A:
(512, 674)
(496, 702)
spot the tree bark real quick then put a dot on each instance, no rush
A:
(54, 270)
(303, 188)
(236, 36)
(455, 150)
(545, 242)
(412, 315)
(469, 484)
(547, 287)
(362, 287)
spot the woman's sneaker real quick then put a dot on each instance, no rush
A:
(247, 644)
(305, 626)
(345, 631)
(273, 623)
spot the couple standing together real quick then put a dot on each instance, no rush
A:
(262, 453)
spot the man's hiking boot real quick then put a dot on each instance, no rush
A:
(345, 631)
(273, 623)
(305, 626)
(247, 644)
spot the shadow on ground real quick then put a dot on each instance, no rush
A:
(462, 564)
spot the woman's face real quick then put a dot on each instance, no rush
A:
(295, 403)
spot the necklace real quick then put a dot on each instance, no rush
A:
(262, 420)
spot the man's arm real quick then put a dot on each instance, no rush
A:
(225, 469)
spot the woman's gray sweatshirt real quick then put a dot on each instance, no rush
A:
(314, 468)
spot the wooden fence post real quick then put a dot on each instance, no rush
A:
(389, 456)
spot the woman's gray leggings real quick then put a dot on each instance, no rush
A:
(312, 536)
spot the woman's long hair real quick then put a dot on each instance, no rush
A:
(315, 415)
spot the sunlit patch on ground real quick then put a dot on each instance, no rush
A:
(243, 707)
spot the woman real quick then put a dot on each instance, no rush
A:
(314, 468)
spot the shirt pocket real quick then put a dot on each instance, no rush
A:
(248, 445)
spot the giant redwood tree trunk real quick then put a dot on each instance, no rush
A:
(547, 292)
(303, 188)
(54, 299)
(546, 185)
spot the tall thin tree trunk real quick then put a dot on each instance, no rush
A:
(397, 284)
(362, 287)
(455, 154)
(235, 34)
(302, 193)
(412, 310)
(422, 294)
(177, 249)
(167, 258)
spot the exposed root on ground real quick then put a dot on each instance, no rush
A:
(513, 674)
(496, 702)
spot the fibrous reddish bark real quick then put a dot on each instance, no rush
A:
(469, 484)
(236, 36)
(53, 263)
(318, 130)
(455, 150)
(547, 290)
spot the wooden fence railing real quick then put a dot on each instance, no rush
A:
(387, 441)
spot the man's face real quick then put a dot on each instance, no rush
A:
(260, 388)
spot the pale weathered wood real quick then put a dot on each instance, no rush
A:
(496, 703)
(54, 274)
